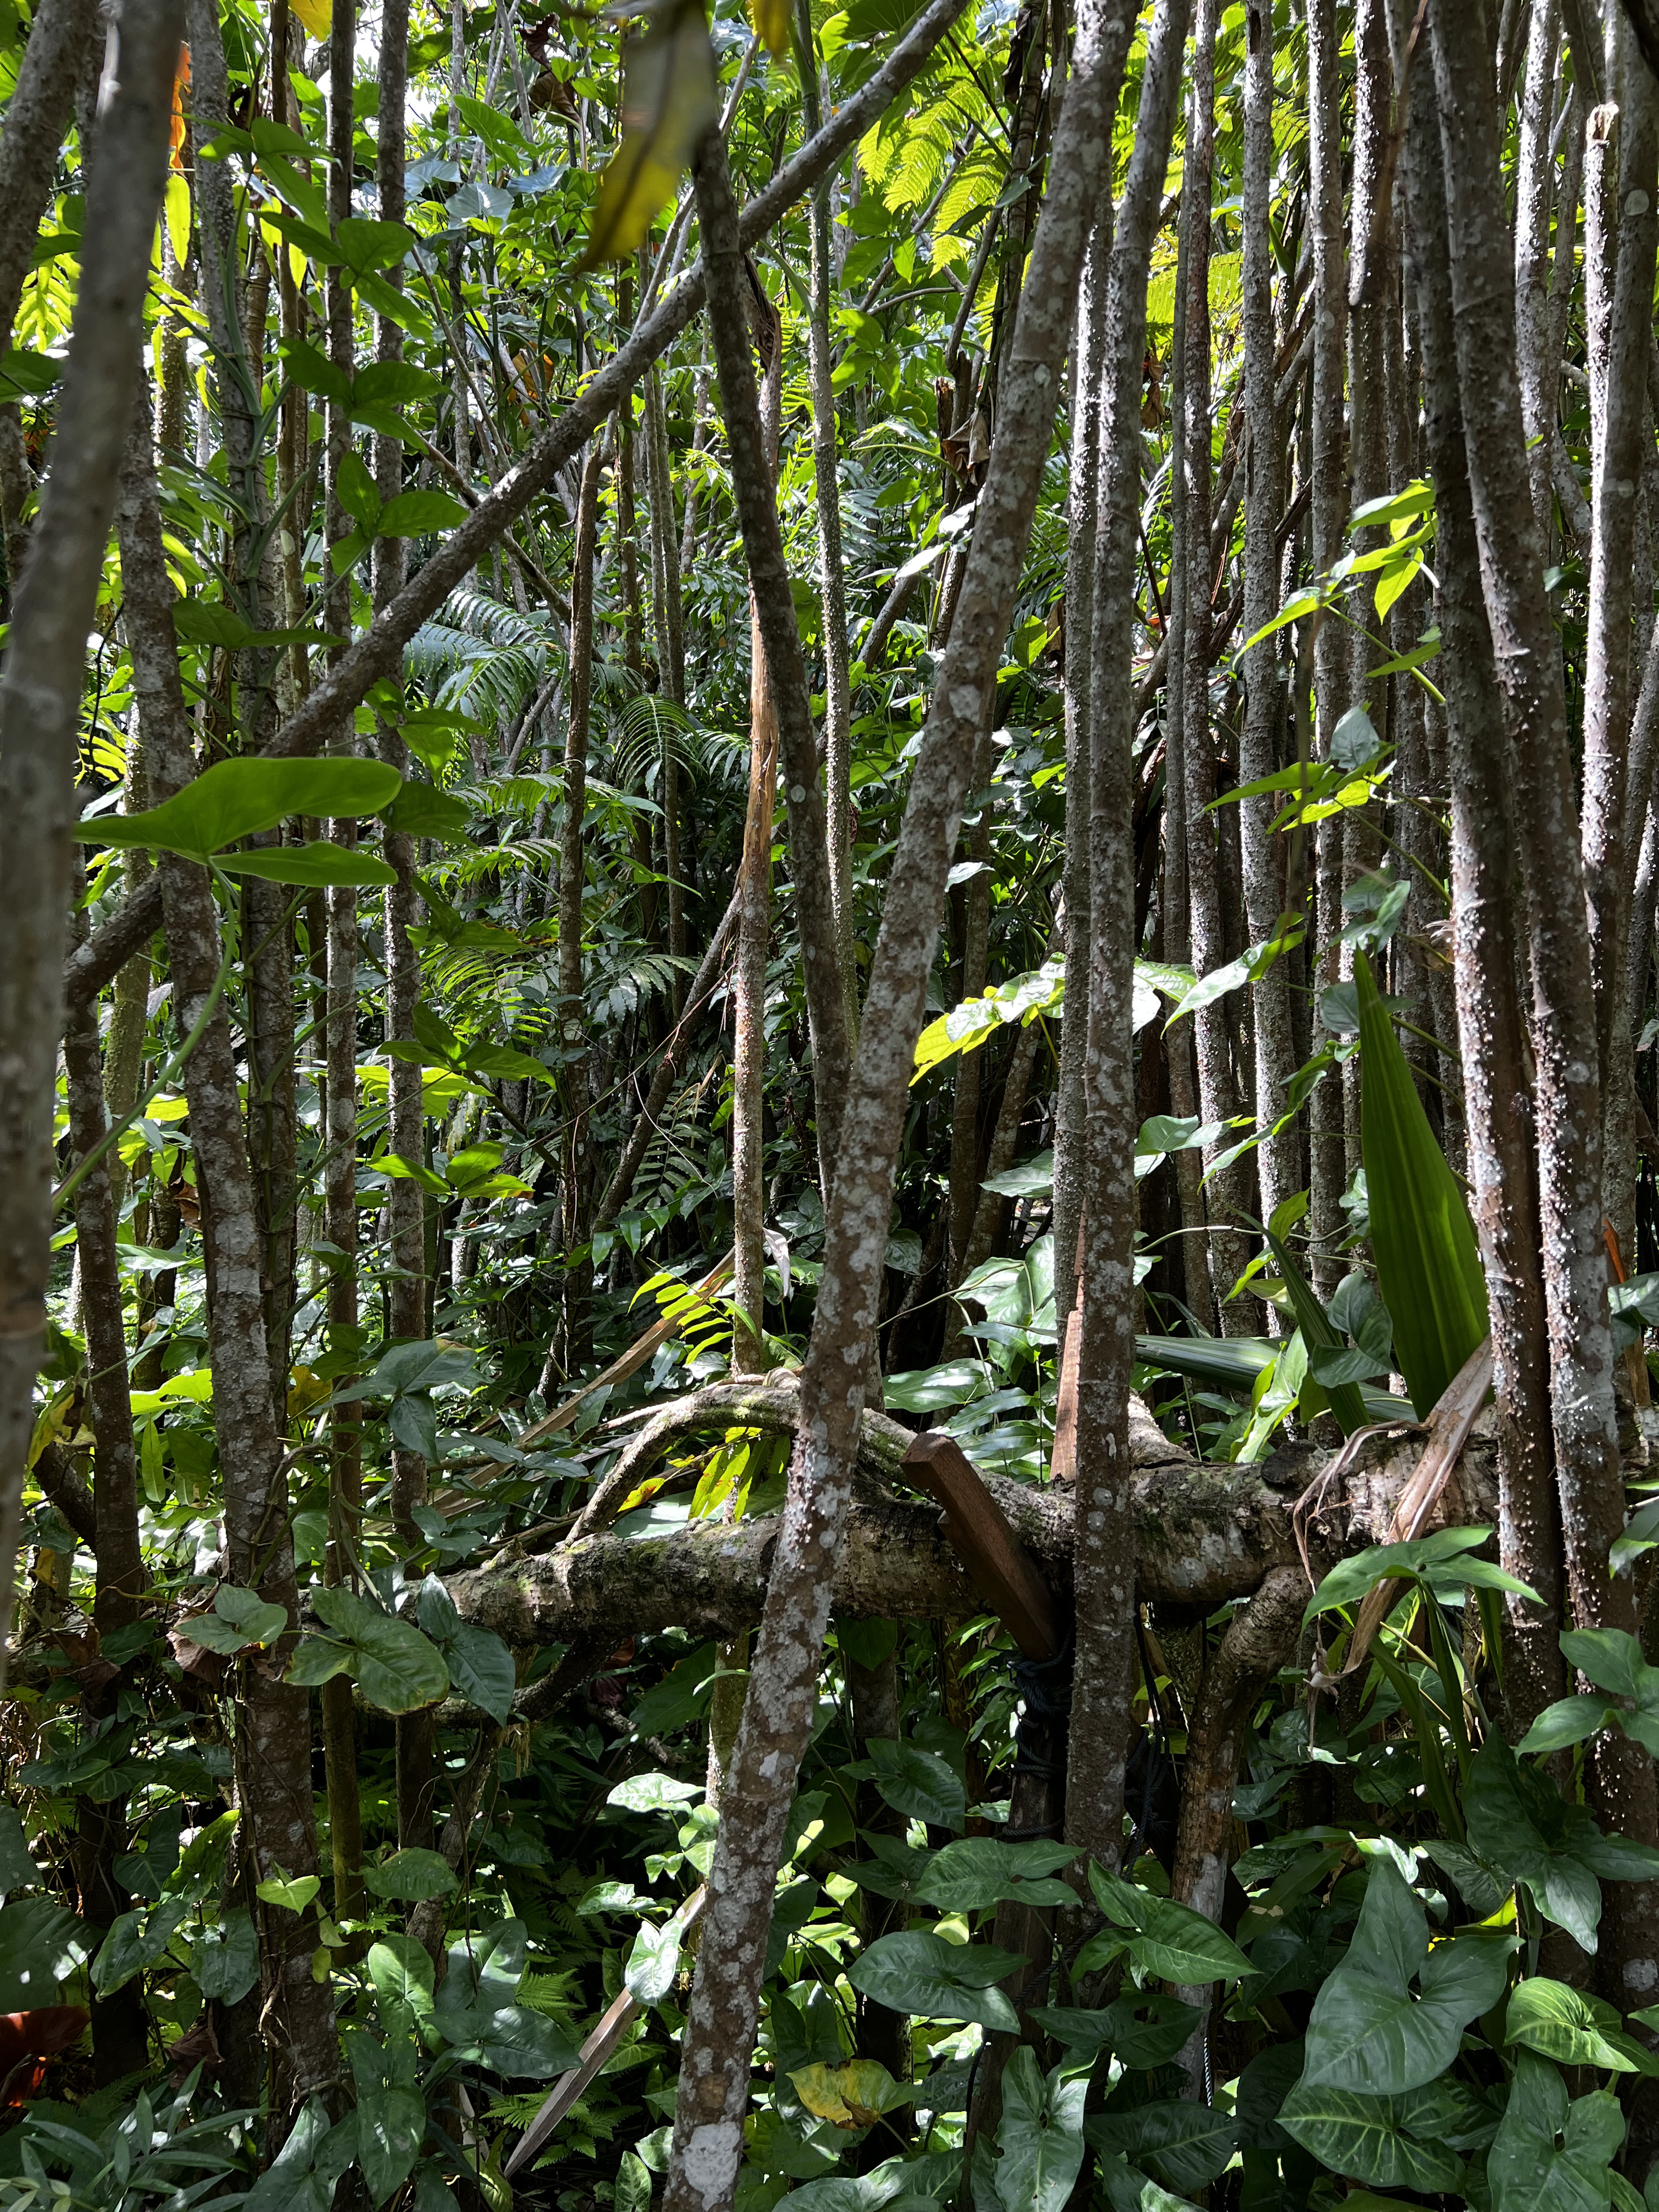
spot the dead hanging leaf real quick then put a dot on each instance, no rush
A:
(181, 86)
(771, 20)
(317, 15)
(669, 100)
(851, 2096)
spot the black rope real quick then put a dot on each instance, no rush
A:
(1045, 1690)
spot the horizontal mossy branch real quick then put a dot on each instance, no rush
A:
(1204, 1534)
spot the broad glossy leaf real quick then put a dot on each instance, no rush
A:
(402, 1973)
(1428, 1263)
(1350, 1579)
(1368, 2033)
(653, 1961)
(366, 245)
(319, 862)
(1365, 2138)
(1612, 1659)
(481, 1667)
(1143, 2027)
(397, 1667)
(39, 1944)
(226, 1960)
(1185, 2145)
(1528, 2170)
(391, 2124)
(1568, 1721)
(977, 1871)
(1571, 2027)
(135, 1941)
(421, 810)
(240, 1617)
(669, 100)
(917, 1973)
(654, 1792)
(855, 2095)
(918, 1783)
(414, 514)
(1167, 1939)
(236, 799)
(1041, 2137)
(410, 1875)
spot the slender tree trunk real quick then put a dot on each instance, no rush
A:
(578, 1175)
(1217, 1088)
(973, 976)
(755, 939)
(1498, 1101)
(721, 2021)
(1529, 667)
(60, 45)
(1533, 193)
(774, 612)
(832, 578)
(1177, 1042)
(118, 2022)
(40, 699)
(1328, 508)
(1622, 232)
(1275, 1048)
(1104, 1575)
(1082, 511)
(273, 1736)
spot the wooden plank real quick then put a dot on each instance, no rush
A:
(1000, 1567)
(597, 2048)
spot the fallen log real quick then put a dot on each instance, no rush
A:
(1204, 1534)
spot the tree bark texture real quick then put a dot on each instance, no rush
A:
(1568, 1104)
(774, 618)
(777, 1712)
(1103, 1670)
(40, 697)
(273, 1735)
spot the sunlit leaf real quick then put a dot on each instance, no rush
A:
(669, 100)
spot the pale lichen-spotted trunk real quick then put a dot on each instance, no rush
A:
(721, 2018)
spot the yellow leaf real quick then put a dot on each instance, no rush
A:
(771, 19)
(177, 209)
(317, 15)
(669, 100)
(851, 2096)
